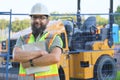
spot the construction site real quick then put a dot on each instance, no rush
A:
(91, 44)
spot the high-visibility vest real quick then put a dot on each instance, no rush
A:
(52, 74)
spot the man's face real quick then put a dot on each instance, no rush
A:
(38, 23)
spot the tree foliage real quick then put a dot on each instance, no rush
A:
(101, 20)
(65, 16)
(3, 23)
(117, 17)
(18, 25)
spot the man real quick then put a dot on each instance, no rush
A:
(39, 20)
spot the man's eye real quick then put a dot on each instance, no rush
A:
(39, 17)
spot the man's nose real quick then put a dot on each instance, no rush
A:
(38, 20)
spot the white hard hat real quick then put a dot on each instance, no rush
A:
(39, 9)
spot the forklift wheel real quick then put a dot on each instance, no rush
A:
(105, 68)
(61, 73)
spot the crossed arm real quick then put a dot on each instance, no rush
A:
(39, 57)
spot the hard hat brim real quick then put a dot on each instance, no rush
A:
(39, 14)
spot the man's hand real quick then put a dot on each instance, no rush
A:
(26, 64)
(43, 52)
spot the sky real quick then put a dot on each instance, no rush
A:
(61, 6)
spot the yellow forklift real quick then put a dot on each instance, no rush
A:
(86, 55)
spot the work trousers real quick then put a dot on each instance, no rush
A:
(33, 78)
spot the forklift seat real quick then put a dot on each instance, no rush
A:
(69, 29)
(89, 26)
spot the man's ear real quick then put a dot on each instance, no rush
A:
(47, 21)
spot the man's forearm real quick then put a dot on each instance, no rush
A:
(48, 59)
(44, 60)
(24, 56)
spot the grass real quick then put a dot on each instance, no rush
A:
(118, 75)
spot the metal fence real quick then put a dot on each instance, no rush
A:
(7, 72)
(8, 53)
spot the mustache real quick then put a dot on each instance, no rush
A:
(33, 24)
(37, 30)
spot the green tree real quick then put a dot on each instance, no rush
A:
(18, 25)
(64, 16)
(101, 20)
(3, 23)
(54, 17)
(117, 17)
(25, 23)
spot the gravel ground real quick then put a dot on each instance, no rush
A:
(12, 74)
(117, 55)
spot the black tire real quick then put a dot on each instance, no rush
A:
(61, 73)
(105, 68)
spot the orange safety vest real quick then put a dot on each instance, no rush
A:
(53, 72)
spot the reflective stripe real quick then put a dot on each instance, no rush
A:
(51, 40)
(31, 39)
(47, 76)
(53, 70)
(28, 38)
(22, 71)
(44, 37)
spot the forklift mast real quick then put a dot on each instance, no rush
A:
(111, 21)
(78, 15)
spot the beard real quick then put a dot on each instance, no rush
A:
(37, 30)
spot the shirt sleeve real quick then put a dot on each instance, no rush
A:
(57, 42)
(19, 43)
